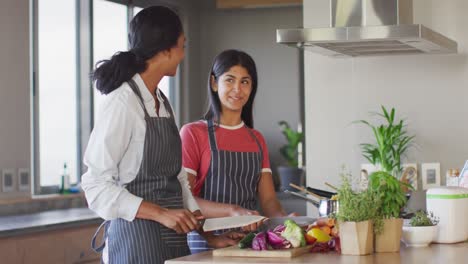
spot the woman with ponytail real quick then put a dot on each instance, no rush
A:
(134, 179)
(225, 157)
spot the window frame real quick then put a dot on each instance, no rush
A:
(84, 92)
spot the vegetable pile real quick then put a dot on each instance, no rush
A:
(322, 234)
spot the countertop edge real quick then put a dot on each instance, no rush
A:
(46, 221)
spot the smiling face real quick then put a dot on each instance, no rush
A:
(233, 88)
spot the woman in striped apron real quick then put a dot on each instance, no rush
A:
(225, 158)
(134, 156)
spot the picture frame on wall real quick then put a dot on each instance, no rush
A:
(463, 180)
(409, 175)
(430, 175)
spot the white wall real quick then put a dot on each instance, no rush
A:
(430, 91)
(14, 85)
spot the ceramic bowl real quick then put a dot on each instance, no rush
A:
(418, 236)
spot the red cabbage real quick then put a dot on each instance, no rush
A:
(279, 229)
(276, 241)
(259, 242)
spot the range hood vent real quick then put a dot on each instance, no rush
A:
(369, 28)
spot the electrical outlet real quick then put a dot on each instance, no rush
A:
(8, 180)
(24, 181)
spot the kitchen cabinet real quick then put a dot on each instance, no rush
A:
(67, 245)
(255, 3)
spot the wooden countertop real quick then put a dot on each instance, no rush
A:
(434, 254)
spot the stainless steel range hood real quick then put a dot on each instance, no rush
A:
(369, 28)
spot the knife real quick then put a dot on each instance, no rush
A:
(219, 223)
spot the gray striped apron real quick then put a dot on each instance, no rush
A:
(145, 241)
(232, 179)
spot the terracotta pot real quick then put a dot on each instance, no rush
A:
(357, 238)
(389, 239)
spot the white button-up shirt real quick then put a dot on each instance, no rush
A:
(115, 151)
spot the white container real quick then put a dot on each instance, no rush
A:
(450, 204)
(418, 236)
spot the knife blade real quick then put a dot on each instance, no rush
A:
(219, 223)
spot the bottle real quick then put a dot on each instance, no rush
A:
(65, 180)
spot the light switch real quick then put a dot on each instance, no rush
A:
(8, 180)
(24, 180)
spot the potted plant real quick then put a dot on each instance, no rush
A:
(391, 143)
(291, 173)
(357, 218)
(392, 198)
(421, 229)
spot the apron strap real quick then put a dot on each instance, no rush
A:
(135, 89)
(167, 105)
(258, 143)
(211, 136)
(99, 249)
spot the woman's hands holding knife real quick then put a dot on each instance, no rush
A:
(180, 220)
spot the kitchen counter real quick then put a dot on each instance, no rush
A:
(46, 221)
(434, 254)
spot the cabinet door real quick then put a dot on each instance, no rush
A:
(78, 249)
(9, 250)
(46, 247)
(68, 245)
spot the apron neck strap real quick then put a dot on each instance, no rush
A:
(211, 135)
(135, 89)
(167, 105)
(212, 138)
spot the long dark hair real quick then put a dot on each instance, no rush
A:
(152, 30)
(221, 64)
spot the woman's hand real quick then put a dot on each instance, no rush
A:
(237, 210)
(200, 219)
(180, 220)
(229, 238)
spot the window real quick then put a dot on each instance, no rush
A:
(109, 36)
(56, 90)
(63, 57)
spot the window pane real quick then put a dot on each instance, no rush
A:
(164, 86)
(57, 90)
(109, 36)
(136, 9)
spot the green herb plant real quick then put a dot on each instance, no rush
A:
(391, 142)
(358, 206)
(391, 195)
(293, 137)
(422, 218)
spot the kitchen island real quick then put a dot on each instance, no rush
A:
(434, 254)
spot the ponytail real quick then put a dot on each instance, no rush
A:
(110, 74)
(152, 30)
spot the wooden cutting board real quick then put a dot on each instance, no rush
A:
(235, 251)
